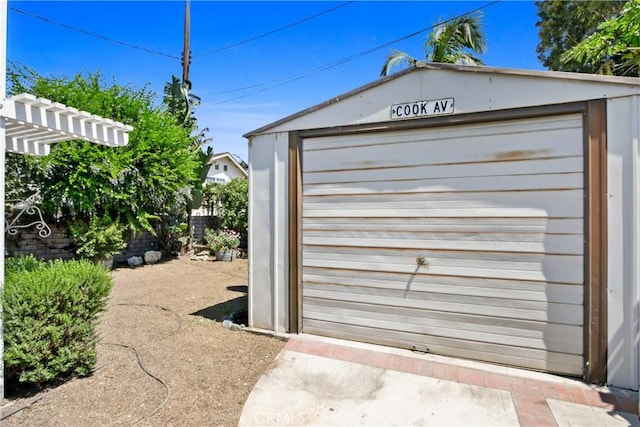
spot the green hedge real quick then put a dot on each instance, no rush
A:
(50, 311)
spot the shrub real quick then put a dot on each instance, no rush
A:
(50, 311)
(225, 239)
(176, 237)
(23, 263)
(101, 238)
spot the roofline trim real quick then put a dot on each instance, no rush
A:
(331, 101)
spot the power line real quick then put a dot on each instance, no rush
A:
(282, 82)
(155, 52)
(89, 33)
(338, 62)
(260, 36)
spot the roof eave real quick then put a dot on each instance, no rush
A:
(331, 101)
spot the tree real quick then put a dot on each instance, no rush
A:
(181, 102)
(19, 173)
(149, 178)
(614, 48)
(563, 24)
(455, 41)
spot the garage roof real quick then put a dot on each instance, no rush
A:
(32, 124)
(527, 87)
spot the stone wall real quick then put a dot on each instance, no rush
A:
(199, 223)
(57, 246)
(137, 246)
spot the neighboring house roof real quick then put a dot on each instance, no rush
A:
(217, 157)
(32, 124)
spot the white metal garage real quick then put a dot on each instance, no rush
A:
(434, 209)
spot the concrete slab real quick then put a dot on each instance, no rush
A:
(326, 381)
(304, 389)
(568, 414)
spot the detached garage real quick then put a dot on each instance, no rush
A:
(473, 212)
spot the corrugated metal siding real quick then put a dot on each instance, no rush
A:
(497, 211)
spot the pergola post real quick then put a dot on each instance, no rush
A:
(3, 95)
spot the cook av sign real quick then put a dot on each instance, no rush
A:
(432, 107)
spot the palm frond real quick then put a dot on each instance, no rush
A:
(395, 60)
(455, 41)
(452, 39)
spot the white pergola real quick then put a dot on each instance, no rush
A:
(32, 124)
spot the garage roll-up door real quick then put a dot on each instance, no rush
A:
(494, 209)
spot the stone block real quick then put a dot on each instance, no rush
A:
(151, 257)
(135, 261)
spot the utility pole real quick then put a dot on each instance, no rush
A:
(186, 51)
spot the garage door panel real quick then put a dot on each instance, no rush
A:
(480, 225)
(558, 203)
(451, 185)
(437, 213)
(501, 267)
(437, 207)
(434, 151)
(567, 314)
(427, 236)
(497, 210)
(554, 275)
(417, 171)
(508, 355)
(556, 244)
(517, 327)
(403, 257)
(526, 260)
(455, 285)
(490, 129)
(492, 333)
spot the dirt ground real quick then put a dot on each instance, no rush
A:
(164, 357)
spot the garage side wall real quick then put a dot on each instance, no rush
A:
(623, 241)
(268, 233)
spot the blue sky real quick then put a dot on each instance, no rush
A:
(281, 73)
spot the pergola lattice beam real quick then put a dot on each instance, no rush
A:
(17, 145)
(32, 124)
